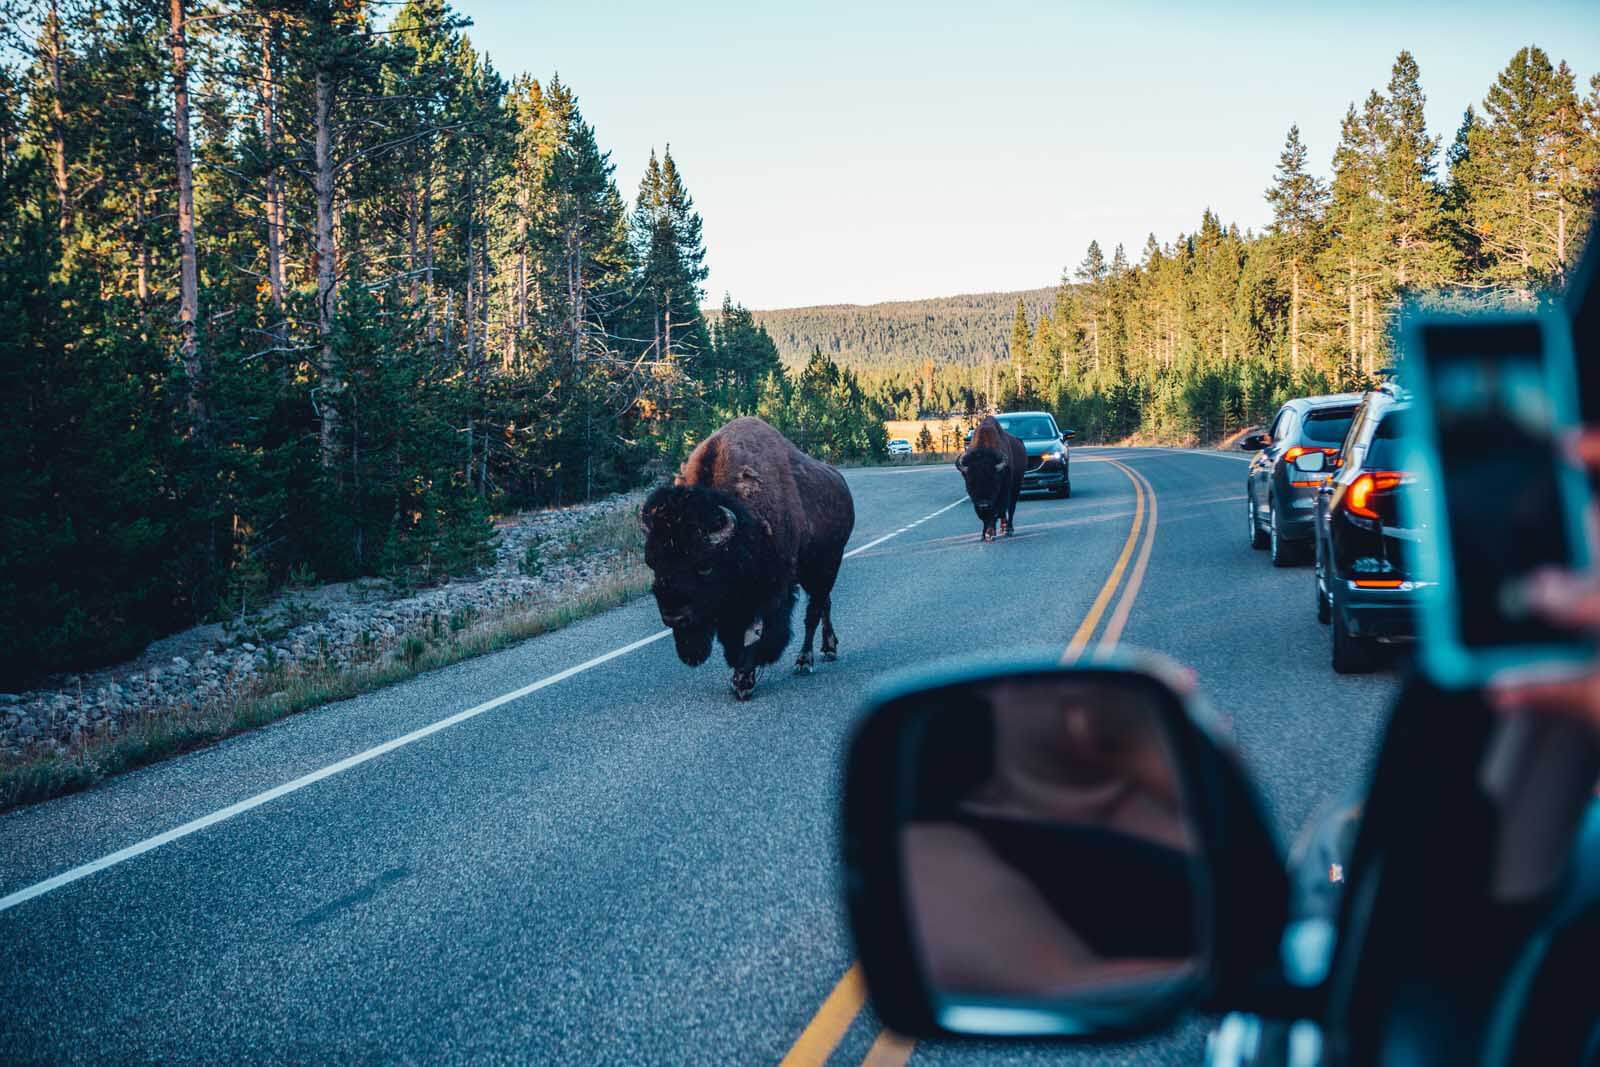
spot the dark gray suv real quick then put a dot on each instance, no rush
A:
(1280, 496)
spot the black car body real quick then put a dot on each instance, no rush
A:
(1281, 500)
(1049, 464)
(1365, 585)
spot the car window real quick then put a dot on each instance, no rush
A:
(1030, 427)
(1327, 427)
(1384, 452)
(1280, 425)
(1353, 445)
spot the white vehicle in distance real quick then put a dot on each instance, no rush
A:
(899, 447)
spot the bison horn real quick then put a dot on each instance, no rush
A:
(961, 463)
(723, 532)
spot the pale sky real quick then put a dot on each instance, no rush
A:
(852, 153)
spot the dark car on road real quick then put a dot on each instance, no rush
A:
(1365, 584)
(1280, 498)
(1049, 465)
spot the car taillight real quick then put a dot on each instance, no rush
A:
(1299, 450)
(1357, 498)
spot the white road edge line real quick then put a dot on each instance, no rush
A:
(38, 889)
(903, 529)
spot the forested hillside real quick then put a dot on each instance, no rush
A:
(311, 289)
(964, 330)
(1207, 331)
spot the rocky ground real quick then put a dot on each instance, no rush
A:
(541, 559)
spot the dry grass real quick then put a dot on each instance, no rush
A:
(169, 731)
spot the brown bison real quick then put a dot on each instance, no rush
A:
(992, 466)
(747, 518)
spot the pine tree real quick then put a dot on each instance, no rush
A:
(1417, 252)
(1524, 181)
(1297, 198)
(1353, 260)
(1020, 348)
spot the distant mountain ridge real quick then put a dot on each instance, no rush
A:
(963, 329)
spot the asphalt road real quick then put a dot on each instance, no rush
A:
(624, 865)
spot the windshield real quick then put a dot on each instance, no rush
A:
(1029, 427)
(1327, 428)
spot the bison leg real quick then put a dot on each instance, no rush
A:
(744, 683)
(817, 575)
(830, 639)
(815, 606)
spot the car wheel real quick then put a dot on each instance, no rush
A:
(1066, 490)
(1284, 553)
(1352, 654)
(1258, 538)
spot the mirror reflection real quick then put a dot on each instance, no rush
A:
(1047, 847)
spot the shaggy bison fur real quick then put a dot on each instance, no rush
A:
(992, 466)
(748, 517)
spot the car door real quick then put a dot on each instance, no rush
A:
(1261, 466)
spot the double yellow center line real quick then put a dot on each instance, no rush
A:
(828, 1026)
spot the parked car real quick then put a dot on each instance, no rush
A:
(1364, 582)
(899, 447)
(1280, 498)
(1049, 465)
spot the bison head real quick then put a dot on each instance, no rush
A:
(692, 545)
(987, 476)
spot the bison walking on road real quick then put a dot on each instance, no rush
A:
(992, 466)
(747, 518)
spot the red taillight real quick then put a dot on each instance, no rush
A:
(1299, 450)
(1357, 498)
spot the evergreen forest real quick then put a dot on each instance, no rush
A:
(307, 289)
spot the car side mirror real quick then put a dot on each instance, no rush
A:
(1311, 462)
(1254, 442)
(1067, 435)
(1037, 850)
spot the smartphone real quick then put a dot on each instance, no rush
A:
(1493, 398)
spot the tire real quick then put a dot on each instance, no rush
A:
(1258, 539)
(1323, 614)
(1352, 654)
(1066, 490)
(1284, 553)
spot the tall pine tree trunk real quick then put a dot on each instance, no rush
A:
(427, 237)
(142, 276)
(1355, 345)
(1294, 317)
(323, 184)
(1369, 340)
(188, 267)
(58, 121)
(274, 199)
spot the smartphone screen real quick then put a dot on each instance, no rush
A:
(1499, 457)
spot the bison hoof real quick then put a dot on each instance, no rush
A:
(830, 648)
(744, 685)
(805, 664)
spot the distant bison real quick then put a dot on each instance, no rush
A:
(748, 517)
(992, 466)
